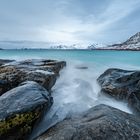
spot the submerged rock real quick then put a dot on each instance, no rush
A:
(99, 123)
(43, 72)
(4, 61)
(123, 85)
(21, 108)
(81, 67)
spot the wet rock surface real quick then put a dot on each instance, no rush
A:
(25, 95)
(4, 61)
(123, 85)
(20, 108)
(81, 67)
(43, 72)
(99, 123)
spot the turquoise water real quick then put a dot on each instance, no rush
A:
(99, 57)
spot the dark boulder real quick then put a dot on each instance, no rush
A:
(4, 61)
(21, 108)
(81, 67)
(43, 72)
(123, 85)
(99, 123)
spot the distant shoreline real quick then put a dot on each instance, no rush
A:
(75, 49)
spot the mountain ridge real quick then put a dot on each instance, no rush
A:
(133, 43)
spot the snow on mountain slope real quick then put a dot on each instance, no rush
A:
(133, 43)
(45, 45)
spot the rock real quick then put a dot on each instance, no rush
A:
(82, 67)
(21, 108)
(99, 123)
(123, 85)
(4, 61)
(43, 72)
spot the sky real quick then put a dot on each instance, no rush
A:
(100, 21)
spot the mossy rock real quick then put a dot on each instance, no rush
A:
(21, 108)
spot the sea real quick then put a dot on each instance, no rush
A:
(77, 90)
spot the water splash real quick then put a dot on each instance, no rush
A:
(75, 92)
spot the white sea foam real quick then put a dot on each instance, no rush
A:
(75, 92)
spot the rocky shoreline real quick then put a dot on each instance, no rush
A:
(25, 95)
(103, 122)
(25, 89)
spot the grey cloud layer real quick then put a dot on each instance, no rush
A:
(69, 20)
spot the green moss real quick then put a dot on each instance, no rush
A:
(24, 120)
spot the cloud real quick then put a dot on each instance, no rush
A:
(71, 20)
(74, 28)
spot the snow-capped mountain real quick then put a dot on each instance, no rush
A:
(96, 46)
(46, 45)
(78, 46)
(133, 43)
